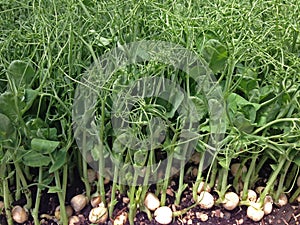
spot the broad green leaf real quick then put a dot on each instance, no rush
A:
(29, 97)
(36, 159)
(44, 146)
(21, 73)
(215, 53)
(60, 158)
(224, 163)
(242, 123)
(297, 160)
(140, 158)
(174, 100)
(8, 106)
(6, 127)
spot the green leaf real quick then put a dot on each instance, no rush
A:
(35, 159)
(215, 53)
(29, 97)
(53, 190)
(8, 106)
(59, 158)
(44, 146)
(224, 163)
(242, 123)
(21, 73)
(140, 158)
(297, 160)
(6, 128)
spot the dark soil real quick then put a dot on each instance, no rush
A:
(289, 214)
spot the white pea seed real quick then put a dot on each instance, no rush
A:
(205, 200)
(19, 214)
(73, 220)
(251, 196)
(121, 219)
(78, 202)
(231, 201)
(163, 215)
(254, 212)
(151, 201)
(98, 215)
(283, 200)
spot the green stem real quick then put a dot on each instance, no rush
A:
(280, 187)
(101, 171)
(274, 122)
(213, 174)
(295, 195)
(27, 192)
(291, 178)
(63, 213)
(248, 176)
(84, 167)
(65, 180)
(199, 177)
(272, 179)
(132, 203)
(166, 180)
(181, 186)
(35, 211)
(7, 202)
(258, 167)
(113, 191)
(237, 178)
